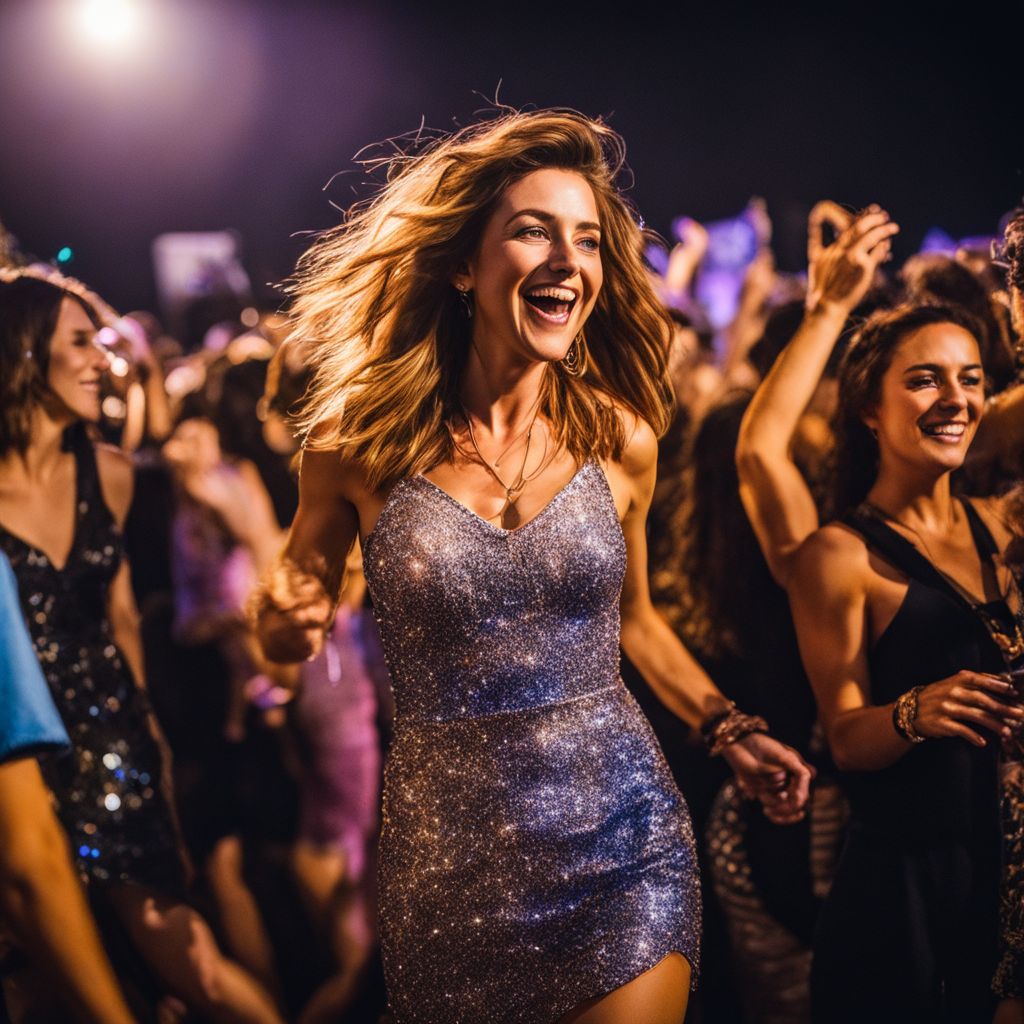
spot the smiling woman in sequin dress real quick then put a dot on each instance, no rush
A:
(491, 376)
(62, 503)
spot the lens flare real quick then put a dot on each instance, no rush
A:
(109, 23)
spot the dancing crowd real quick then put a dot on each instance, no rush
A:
(497, 631)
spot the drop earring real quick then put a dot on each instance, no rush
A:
(467, 302)
(575, 361)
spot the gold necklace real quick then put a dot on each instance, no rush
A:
(508, 514)
(522, 433)
(1011, 643)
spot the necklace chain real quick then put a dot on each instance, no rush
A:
(521, 479)
(882, 514)
(1011, 644)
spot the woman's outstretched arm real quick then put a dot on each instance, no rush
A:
(764, 768)
(774, 493)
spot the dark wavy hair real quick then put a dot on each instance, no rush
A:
(866, 361)
(715, 610)
(1013, 250)
(29, 309)
(939, 280)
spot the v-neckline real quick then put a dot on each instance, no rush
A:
(500, 530)
(986, 556)
(59, 569)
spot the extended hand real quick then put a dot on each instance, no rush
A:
(773, 773)
(840, 274)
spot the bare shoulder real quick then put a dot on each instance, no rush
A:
(633, 475)
(640, 453)
(250, 474)
(329, 473)
(117, 479)
(833, 555)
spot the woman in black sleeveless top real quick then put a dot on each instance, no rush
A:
(908, 620)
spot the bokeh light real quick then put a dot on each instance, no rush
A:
(109, 23)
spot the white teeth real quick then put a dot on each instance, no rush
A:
(946, 429)
(560, 294)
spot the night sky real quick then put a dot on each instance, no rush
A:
(236, 114)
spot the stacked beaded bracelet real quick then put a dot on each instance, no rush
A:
(904, 714)
(728, 727)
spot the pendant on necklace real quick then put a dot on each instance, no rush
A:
(1011, 646)
(509, 515)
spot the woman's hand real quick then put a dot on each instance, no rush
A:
(290, 610)
(773, 773)
(686, 255)
(958, 705)
(194, 456)
(839, 275)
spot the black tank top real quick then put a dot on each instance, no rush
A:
(943, 789)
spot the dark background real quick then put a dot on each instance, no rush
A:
(236, 113)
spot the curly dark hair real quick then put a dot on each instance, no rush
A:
(866, 361)
(29, 309)
(1013, 250)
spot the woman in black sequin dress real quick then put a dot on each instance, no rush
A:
(62, 502)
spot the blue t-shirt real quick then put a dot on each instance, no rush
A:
(29, 722)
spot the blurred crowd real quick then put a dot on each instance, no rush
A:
(276, 769)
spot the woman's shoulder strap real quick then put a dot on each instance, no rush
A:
(894, 548)
(983, 539)
(78, 442)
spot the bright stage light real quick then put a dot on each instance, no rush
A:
(109, 23)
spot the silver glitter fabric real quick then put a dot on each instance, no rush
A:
(535, 852)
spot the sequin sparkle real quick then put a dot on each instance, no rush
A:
(535, 851)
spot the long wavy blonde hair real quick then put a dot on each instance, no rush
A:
(383, 329)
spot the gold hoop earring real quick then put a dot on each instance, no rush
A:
(575, 361)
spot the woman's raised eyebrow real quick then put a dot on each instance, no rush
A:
(547, 218)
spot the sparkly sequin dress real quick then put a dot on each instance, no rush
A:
(535, 852)
(107, 787)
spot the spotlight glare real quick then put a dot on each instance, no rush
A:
(65, 254)
(109, 23)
